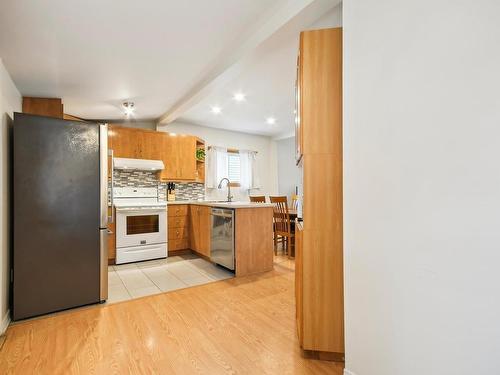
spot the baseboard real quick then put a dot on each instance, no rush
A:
(347, 372)
(5, 322)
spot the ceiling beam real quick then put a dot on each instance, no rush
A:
(229, 63)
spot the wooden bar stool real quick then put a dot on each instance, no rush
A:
(282, 224)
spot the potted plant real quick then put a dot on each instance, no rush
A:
(200, 154)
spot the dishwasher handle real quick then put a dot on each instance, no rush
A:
(222, 212)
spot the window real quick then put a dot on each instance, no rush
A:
(233, 167)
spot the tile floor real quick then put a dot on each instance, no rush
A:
(127, 281)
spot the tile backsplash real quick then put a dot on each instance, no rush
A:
(124, 178)
(135, 178)
(183, 191)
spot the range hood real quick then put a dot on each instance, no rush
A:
(141, 164)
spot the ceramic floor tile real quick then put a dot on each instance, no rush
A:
(134, 279)
(174, 259)
(117, 293)
(152, 263)
(200, 263)
(164, 280)
(126, 266)
(114, 279)
(189, 256)
(182, 270)
(216, 272)
(147, 291)
(200, 280)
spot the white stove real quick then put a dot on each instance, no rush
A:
(129, 197)
(141, 230)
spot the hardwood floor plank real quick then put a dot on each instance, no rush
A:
(237, 326)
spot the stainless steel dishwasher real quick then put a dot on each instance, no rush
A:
(222, 237)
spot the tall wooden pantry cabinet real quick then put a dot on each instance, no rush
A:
(319, 250)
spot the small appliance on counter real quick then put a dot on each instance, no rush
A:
(141, 224)
(170, 192)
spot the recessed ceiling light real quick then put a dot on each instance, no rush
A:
(239, 96)
(271, 120)
(216, 110)
(129, 108)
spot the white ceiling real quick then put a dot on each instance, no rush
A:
(97, 54)
(267, 77)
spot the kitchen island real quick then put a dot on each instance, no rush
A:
(189, 228)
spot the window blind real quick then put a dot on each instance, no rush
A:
(234, 167)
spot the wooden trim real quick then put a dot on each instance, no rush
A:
(72, 118)
(174, 253)
(323, 356)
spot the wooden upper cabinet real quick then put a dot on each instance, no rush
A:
(50, 107)
(178, 152)
(186, 157)
(179, 156)
(124, 142)
(168, 155)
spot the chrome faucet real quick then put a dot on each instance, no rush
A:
(229, 196)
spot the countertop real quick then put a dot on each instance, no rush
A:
(222, 204)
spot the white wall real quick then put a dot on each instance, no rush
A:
(265, 147)
(10, 101)
(289, 175)
(422, 186)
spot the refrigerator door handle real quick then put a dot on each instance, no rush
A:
(103, 178)
(111, 219)
(103, 250)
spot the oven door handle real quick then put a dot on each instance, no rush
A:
(141, 210)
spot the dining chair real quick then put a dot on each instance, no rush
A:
(258, 198)
(295, 201)
(282, 225)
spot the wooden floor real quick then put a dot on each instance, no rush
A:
(237, 326)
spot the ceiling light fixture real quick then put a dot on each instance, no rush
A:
(271, 120)
(216, 110)
(239, 97)
(129, 108)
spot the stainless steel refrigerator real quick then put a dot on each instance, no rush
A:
(60, 183)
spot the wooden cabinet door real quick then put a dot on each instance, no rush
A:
(205, 225)
(169, 157)
(194, 227)
(124, 142)
(135, 143)
(151, 145)
(186, 157)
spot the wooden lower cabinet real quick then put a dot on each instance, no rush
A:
(200, 224)
(178, 227)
